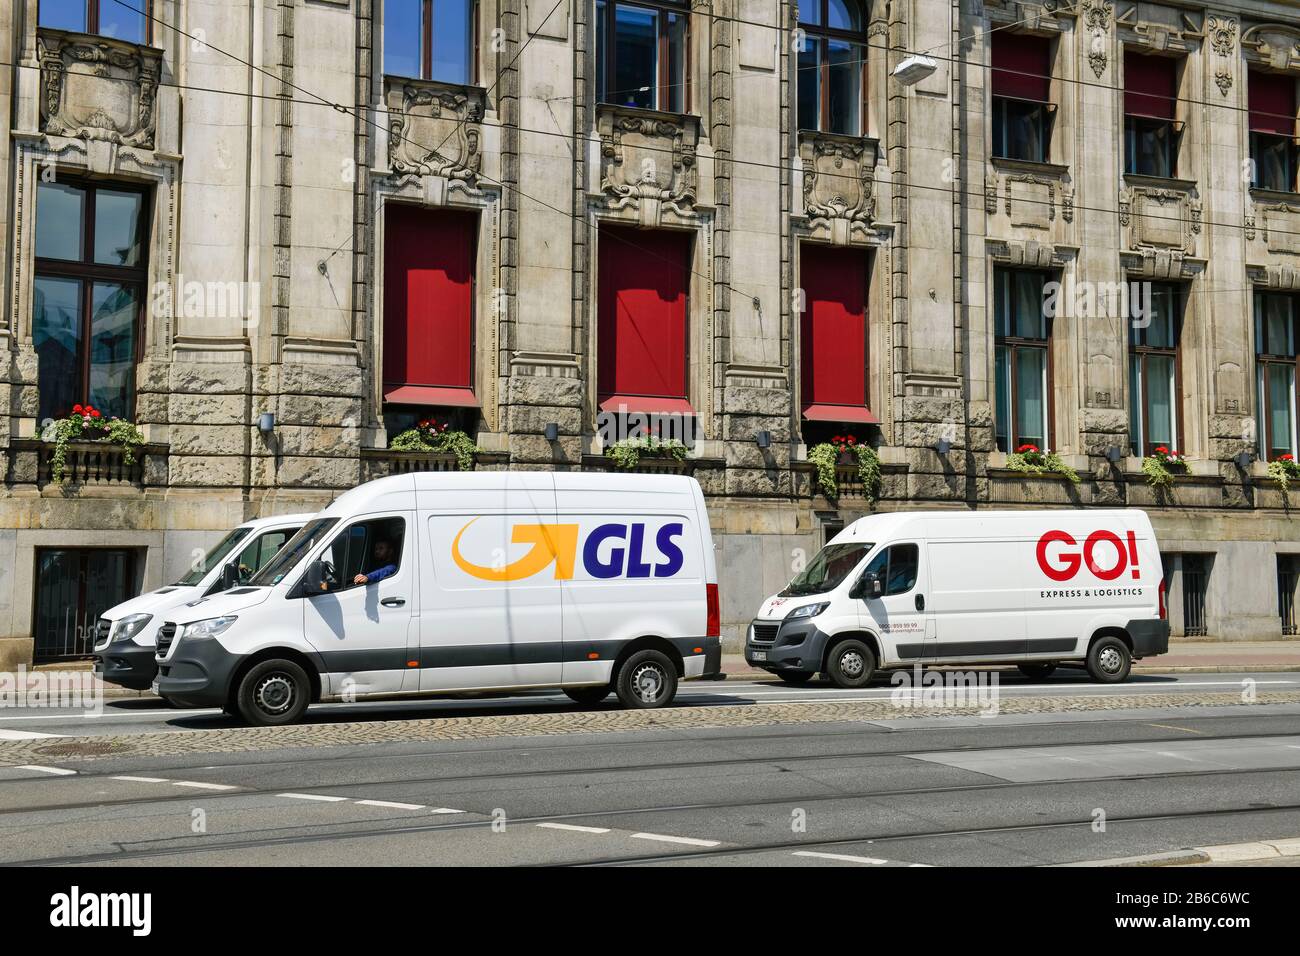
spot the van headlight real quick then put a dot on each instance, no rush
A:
(808, 610)
(129, 627)
(211, 627)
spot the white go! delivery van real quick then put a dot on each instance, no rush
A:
(1030, 588)
(445, 582)
(126, 633)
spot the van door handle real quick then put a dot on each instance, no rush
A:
(920, 602)
(393, 602)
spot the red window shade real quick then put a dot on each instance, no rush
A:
(1150, 86)
(833, 332)
(641, 352)
(1272, 103)
(428, 305)
(1022, 66)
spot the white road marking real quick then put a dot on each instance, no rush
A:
(141, 779)
(198, 785)
(24, 735)
(57, 771)
(689, 841)
(445, 810)
(840, 856)
(312, 796)
(574, 828)
(391, 805)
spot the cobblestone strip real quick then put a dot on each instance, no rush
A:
(611, 720)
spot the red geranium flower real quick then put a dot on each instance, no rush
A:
(94, 413)
(1287, 457)
(77, 409)
(1026, 448)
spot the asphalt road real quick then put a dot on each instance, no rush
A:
(1025, 789)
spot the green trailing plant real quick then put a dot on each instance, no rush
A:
(1160, 467)
(430, 435)
(825, 458)
(626, 453)
(87, 423)
(1283, 469)
(1029, 460)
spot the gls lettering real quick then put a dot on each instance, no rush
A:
(626, 550)
(1064, 564)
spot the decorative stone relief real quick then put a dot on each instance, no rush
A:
(1222, 35)
(434, 129)
(1096, 20)
(1030, 200)
(98, 88)
(1272, 45)
(1162, 217)
(1281, 227)
(648, 162)
(838, 184)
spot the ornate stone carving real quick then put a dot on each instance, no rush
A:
(1223, 79)
(648, 161)
(434, 129)
(1164, 217)
(1096, 20)
(98, 88)
(1222, 32)
(838, 184)
(1067, 204)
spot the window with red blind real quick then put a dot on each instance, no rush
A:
(1272, 98)
(1151, 132)
(428, 343)
(1022, 83)
(833, 334)
(642, 356)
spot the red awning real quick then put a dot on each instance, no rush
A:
(1022, 66)
(651, 404)
(1150, 86)
(431, 395)
(840, 413)
(1272, 103)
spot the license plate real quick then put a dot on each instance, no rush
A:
(153, 688)
(759, 655)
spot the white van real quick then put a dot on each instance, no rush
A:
(1031, 588)
(125, 634)
(445, 582)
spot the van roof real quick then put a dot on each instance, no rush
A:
(271, 521)
(895, 524)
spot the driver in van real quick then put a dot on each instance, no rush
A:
(381, 559)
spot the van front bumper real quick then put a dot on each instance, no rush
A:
(127, 664)
(1150, 637)
(198, 674)
(798, 647)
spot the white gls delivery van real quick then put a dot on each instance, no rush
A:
(446, 582)
(125, 634)
(1031, 588)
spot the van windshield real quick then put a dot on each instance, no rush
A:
(833, 564)
(200, 568)
(294, 550)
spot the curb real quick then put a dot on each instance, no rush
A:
(1202, 855)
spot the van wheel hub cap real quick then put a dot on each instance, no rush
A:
(274, 694)
(647, 683)
(852, 664)
(1110, 660)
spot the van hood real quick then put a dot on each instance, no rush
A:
(153, 602)
(776, 607)
(227, 602)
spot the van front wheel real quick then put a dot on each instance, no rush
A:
(647, 679)
(851, 664)
(273, 692)
(1109, 661)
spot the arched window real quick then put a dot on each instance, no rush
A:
(832, 65)
(431, 39)
(641, 53)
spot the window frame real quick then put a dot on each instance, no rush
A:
(87, 273)
(1173, 145)
(1265, 360)
(821, 34)
(1046, 121)
(426, 44)
(888, 555)
(1014, 344)
(1141, 444)
(92, 20)
(606, 58)
(1257, 144)
(345, 583)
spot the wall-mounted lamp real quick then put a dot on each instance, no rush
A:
(763, 438)
(914, 69)
(266, 422)
(552, 431)
(943, 446)
(1244, 459)
(1114, 453)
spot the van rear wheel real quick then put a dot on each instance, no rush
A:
(851, 664)
(587, 696)
(272, 693)
(1037, 671)
(647, 679)
(1109, 661)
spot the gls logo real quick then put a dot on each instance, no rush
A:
(558, 544)
(1065, 564)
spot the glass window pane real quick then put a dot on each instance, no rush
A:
(453, 26)
(114, 312)
(809, 85)
(1153, 148)
(1031, 397)
(1024, 131)
(56, 336)
(1136, 439)
(676, 31)
(844, 15)
(601, 50)
(1279, 325)
(122, 21)
(1030, 318)
(403, 32)
(903, 561)
(59, 218)
(810, 12)
(117, 227)
(845, 87)
(636, 76)
(1162, 333)
(1280, 388)
(1161, 414)
(63, 15)
(1002, 374)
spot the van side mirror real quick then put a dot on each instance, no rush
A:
(313, 578)
(229, 575)
(868, 586)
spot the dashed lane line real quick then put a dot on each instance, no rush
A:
(141, 779)
(574, 828)
(686, 841)
(842, 857)
(323, 798)
(391, 805)
(25, 735)
(57, 771)
(200, 785)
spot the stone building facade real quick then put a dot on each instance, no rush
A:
(269, 162)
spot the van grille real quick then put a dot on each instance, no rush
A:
(166, 634)
(765, 633)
